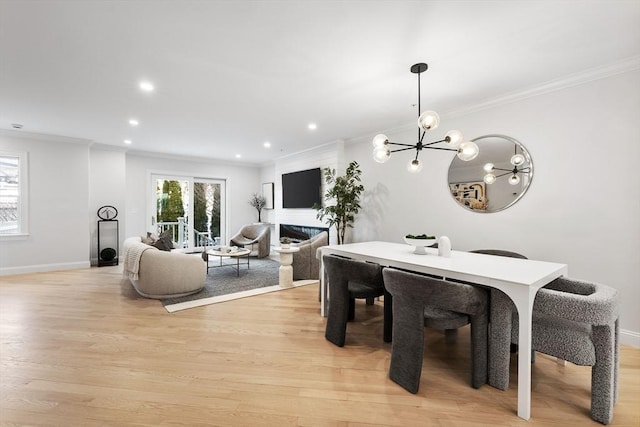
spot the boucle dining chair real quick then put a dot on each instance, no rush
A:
(350, 279)
(573, 320)
(413, 296)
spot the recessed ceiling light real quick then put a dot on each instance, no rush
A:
(134, 122)
(127, 141)
(238, 156)
(146, 86)
(312, 126)
(267, 144)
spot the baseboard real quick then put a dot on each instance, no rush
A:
(44, 267)
(630, 338)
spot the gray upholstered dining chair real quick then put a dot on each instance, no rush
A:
(573, 320)
(253, 234)
(350, 279)
(413, 296)
(445, 320)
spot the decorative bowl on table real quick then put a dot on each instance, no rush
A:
(420, 243)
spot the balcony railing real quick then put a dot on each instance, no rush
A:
(204, 239)
(180, 231)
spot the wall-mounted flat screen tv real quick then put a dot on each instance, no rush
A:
(300, 190)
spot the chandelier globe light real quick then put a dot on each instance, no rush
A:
(514, 179)
(517, 159)
(428, 120)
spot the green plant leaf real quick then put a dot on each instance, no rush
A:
(342, 199)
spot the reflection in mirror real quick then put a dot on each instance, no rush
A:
(494, 180)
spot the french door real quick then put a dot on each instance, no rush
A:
(192, 208)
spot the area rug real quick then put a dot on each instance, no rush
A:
(224, 284)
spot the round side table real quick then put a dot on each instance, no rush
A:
(285, 272)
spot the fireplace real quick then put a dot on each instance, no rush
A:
(299, 233)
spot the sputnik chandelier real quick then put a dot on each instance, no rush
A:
(517, 160)
(428, 120)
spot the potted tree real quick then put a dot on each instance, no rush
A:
(344, 192)
(258, 202)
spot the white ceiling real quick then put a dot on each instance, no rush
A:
(230, 75)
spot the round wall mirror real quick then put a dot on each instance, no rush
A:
(494, 180)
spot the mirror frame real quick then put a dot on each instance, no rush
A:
(525, 153)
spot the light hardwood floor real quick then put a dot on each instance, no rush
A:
(81, 348)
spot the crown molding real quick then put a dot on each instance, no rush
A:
(571, 80)
(44, 137)
(207, 160)
(108, 147)
(326, 145)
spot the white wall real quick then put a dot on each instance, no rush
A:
(242, 182)
(107, 185)
(268, 174)
(58, 204)
(583, 206)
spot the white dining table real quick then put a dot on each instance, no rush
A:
(520, 279)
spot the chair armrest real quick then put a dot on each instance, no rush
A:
(302, 263)
(601, 307)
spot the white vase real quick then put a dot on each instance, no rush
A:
(444, 247)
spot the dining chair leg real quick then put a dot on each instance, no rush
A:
(603, 381)
(352, 309)
(388, 317)
(337, 316)
(450, 336)
(479, 351)
(407, 348)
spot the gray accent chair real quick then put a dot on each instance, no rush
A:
(306, 265)
(350, 279)
(253, 234)
(414, 296)
(573, 320)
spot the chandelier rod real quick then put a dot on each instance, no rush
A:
(419, 138)
(514, 170)
(419, 69)
(420, 146)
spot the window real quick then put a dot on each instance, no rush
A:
(13, 194)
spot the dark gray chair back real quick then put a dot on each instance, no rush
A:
(413, 295)
(348, 279)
